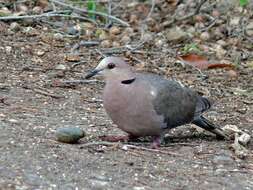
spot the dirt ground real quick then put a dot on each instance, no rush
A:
(34, 103)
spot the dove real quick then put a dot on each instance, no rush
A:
(145, 104)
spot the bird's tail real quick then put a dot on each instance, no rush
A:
(209, 126)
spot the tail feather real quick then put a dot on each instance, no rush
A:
(209, 126)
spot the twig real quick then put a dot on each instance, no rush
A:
(176, 19)
(69, 83)
(151, 9)
(129, 146)
(44, 15)
(47, 93)
(43, 91)
(83, 43)
(79, 10)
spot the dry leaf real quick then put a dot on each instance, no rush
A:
(194, 60)
(72, 58)
(201, 62)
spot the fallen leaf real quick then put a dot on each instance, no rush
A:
(72, 58)
(194, 60)
(201, 62)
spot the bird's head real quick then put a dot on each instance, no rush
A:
(112, 67)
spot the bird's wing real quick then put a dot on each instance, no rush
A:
(174, 102)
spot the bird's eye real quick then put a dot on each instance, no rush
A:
(111, 65)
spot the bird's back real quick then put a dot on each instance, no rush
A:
(176, 103)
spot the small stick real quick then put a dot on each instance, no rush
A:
(126, 146)
(47, 15)
(79, 10)
(47, 93)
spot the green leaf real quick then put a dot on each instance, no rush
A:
(243, 2)
(91, 6)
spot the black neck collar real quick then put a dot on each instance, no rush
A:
(129, 81)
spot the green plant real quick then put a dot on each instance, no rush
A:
(190, 48)
(91, 6)
(243, 3)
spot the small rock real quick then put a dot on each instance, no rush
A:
(159, 43)
(58, 36)
(222, 43)
(176, 34)
(114, 30)
(30, 31)
(232, 74)
(215, 13)
(204, 36)
(128, 32)
(4, 11)
(244, 139)
(235, 21)
(14, 26)
(231, 129)
(147, 37)
(105, 44)
(220, 52)
(125, 39)
(199, 18)
(72, 30)
(115, 44)
(249, 29)
(40, 52)
(22, 8)
(69, 134)
(102, 34)
(8, 49)
(61, 67)
(37, 10)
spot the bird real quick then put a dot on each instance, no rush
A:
(146, 104)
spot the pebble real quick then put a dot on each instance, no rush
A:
(72, 30)
(37, 10)
(176, 34)
(58, 36)
(105, 44)
(116, 44)
(14, 26)
(69, 134)
(8, 49)
(125, 39)
(204, 36)
(147, 37)
(249, 29)
(114, 30)
(244, 139)
(61, 67)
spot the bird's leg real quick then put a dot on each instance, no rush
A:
(156, 142)
(122, 138)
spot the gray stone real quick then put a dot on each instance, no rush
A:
(69, 134)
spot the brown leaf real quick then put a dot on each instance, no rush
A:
(194, 60)
(202, 62)
(220, 65)
(72, 58)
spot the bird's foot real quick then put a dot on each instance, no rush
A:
(113, 138)
(156, 142)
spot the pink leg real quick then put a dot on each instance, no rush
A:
(156, 142)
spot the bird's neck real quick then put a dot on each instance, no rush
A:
(121, 77)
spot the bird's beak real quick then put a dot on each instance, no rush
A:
(92, 73)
